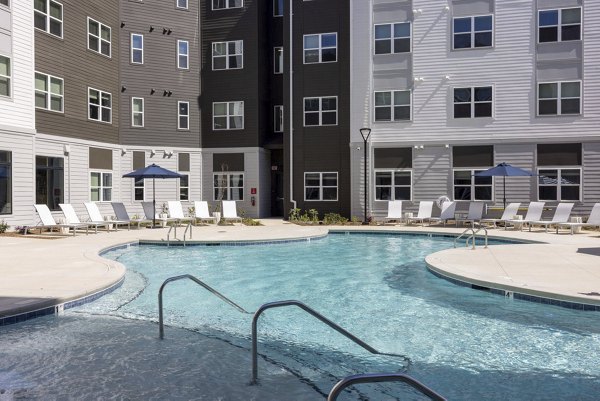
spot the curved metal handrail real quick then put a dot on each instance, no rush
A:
(174, 226)
(472, 230)
(189, 226)
(379, 378)
(314, 313)
(161, 327)
(473, 237)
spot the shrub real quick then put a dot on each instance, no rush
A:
(250, 222)
(3, 227)
(334, 218)
(294, 214)
(313, 214)
(355, 219)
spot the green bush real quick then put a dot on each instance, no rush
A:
(3, 227)
(313, 214)
(250, 222)
(334, 218)
(295, 214)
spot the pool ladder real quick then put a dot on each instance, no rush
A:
(473, 236)
(174, 227)
(341, 385)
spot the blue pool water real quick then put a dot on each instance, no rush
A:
(466, 344)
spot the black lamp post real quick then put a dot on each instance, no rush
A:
(365, 133)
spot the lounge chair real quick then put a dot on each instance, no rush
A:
(592, 221)
(425, 209)
(151, 213)
(122, 215)
(47, 221)
(71, 218)
(474, 215)
(96, 217)
(230, 211)
(201, 211)
(511, 210)
(448, 209)
(534, 213)
(176, 212)
(561, 215)
(394, 211)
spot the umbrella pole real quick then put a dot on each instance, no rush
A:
(504, 190)
(154, 202)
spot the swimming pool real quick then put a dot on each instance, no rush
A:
(466, 344)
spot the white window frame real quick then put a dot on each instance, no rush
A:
(180, 187)
(392, 37)
(179, 116)
(227, 187)
(101, 187)
(185, 7)
(321, 186)
(393, 184)
(559, 98)
(275, 6)
(559, 184)
(49, 18)
(560, 24)
(227, 6)
(6, 5)
(142, 187)
(99, 37)
(278, 115)
(134, 49)
(186, 55)
(49, 94)
(473, 102)
(228, 116)
(321, 111)
(393, 106)
(8, 77)
(227, 55)
(100, 107)
(473, 32)
(320, 48)
(472, 171)
(134, 113)
(278, 62)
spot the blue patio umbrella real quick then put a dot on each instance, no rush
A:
(153, 171)
(504, 170)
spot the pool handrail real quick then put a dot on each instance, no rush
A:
(161, 327)
(188, 227)
(379, 378)
(473, 236)
(314, 313)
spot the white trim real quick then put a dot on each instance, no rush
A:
(101, 187)
(560, 24)
(282, 8)
(473, 32)
(278, 111)
(472, 185)
(392, 106)
(391, 38)
(49, 94)
(9, 77)
(321, 186)
(183, 115)
(132, 48)
(320, 48)
(227, 187)
(227, 7)
(48, 18)
(559, 184)
(320, 111)
(133, 113)
(228, 116)
(393, 184)
(559, 98)
(227, 55)
(99, 37)
(472, 102)
(186, 7)
(278, 60)
(186, 55)
(99, 105)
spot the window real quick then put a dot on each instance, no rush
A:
(473, 32)
(99, 37)
(49, 181)
(5, 3)
(278, 60)
(225, 4)
(137, 112)
(183, 115)
(228, 115)
(559, 25)
(320, 186)
(392, 38)
(5, 182)
(5, 76)
(183, 4)
(559, 184)
(278, 123)
(184, 187)
(320, 48)
(48, 16)
(100, 186)
(139, 161)
(228, 55)
(228, 186)
(137, 48)
(278, 8)
(320, 111)
(100, 105)
(473, 102)
(392, 106)
(49, 92)
(471, 188)
(393, 185)
(182, 54)
(559, 98)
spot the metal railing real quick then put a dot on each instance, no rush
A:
(174, 226)
(473, 236)
(189, 227)
(313, 313)
(380, 378)
(161, 327)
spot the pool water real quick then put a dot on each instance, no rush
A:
(465, 344)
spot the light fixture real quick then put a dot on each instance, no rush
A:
(365, 133)
(152, 152)
(418, 79)
(169, 31)
(447, 8)
(66, 150)
(123, 151)
(416, 146)
(169, 93)
(446, 146)
(447, 78)
(152, 91)
(165, 92)
(421, 147)
(164, 30)
(123, 88)
(417, 11)
(122, 24)
(151, 28)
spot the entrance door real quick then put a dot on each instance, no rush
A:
(277, 183)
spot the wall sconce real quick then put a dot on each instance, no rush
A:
(152, 153)
(123, 151)
(165, 92)
(168, 153)
(66, 150)
(418, 79)
(123, 88)
(417, 11)
(447, 146)
(447, 78)
(122, 24)
(169, 31)
(447, 8)
(169, 93)
(151, 28)
(164, 30)
(152, 91)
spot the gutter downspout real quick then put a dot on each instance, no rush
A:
(291, 107)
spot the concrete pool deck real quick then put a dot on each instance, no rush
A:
(42, 273)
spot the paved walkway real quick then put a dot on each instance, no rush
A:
(37, 273)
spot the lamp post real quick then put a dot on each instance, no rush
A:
(365, 133)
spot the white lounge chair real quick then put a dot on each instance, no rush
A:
(534, 213)
(561, 215)
(47, 221)
(394, 211)
(230, 211)
(151, 213)
(474, 215)
(71, 218)
(201, 211)
(176, 212)
(509, 212)
(592, 221)
(448, 209)
(122, 215)
(96, 217)
(424, 213)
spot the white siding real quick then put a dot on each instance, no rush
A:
(21, 147)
